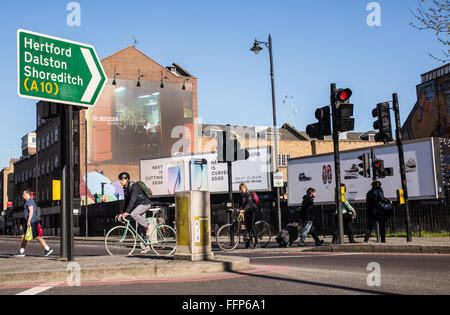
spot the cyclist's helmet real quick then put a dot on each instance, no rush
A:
(124, 175)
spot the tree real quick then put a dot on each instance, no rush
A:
(434, 17)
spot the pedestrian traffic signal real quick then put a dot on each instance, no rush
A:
(383, 123)
(365, 165)
(323, 127)
(344, 111)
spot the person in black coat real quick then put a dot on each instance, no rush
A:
(307, 216)
(249, 207)
(374, 211)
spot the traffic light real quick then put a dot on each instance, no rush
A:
(323, 127)
(344, 111)
(380, 171)
(240, 154)
(378, 168)
(229, 150)
(365, 165)
(383, 124)
(221, 147)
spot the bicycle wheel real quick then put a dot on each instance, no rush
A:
(164, 240)
(120, 241)
(263, 233)
(225, 240)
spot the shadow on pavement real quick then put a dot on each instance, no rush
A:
(331, 286)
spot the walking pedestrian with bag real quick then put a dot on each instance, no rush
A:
(32, 228)
(378, 210)
(307, 216)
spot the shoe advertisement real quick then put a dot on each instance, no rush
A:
(423, 174)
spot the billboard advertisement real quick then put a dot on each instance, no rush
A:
(202, 172)
(423, 173)
(131, 123)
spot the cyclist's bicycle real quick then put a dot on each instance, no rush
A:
(121, 240)
(230, 235)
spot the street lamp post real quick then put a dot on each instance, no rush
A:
(256, 49)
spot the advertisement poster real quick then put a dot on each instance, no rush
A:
(167, 176)
(319, 173)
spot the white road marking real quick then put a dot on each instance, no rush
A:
(35, 291)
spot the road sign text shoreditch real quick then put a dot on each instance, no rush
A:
(58, 70)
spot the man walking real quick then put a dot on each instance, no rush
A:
(375, 213)
(32, 222)
(307, 216)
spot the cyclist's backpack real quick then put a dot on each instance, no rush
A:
(147, 191)
(255, 197)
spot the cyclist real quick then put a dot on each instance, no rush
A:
(136, 202)
(249, 208)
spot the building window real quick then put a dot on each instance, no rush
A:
(43, 143)
(48, 166)
(51, 138)
(56, 134)
(283, 159)
(48, 140)
(57, 161)
(38, 170)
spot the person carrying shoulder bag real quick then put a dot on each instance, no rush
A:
(348, 214)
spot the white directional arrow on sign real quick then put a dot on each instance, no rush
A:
(96, 77)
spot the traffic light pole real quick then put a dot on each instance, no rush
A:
(337, 164)
(401, 157)
(374, 178)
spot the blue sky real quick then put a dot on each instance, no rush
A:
(315, 43)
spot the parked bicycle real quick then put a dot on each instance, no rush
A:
(230, 235)
(121, 240)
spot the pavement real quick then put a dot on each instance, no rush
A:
(105, 268)
(94, 265)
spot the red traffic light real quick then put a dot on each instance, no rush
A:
(344, 94)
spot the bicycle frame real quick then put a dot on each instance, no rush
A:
(145, 241)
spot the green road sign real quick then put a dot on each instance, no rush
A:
(58, 70)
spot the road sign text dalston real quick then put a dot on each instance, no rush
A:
(58, 70)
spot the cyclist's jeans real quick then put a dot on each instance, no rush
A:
(138, 214)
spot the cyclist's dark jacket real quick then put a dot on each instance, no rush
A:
(134, 196)
(248, 203)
